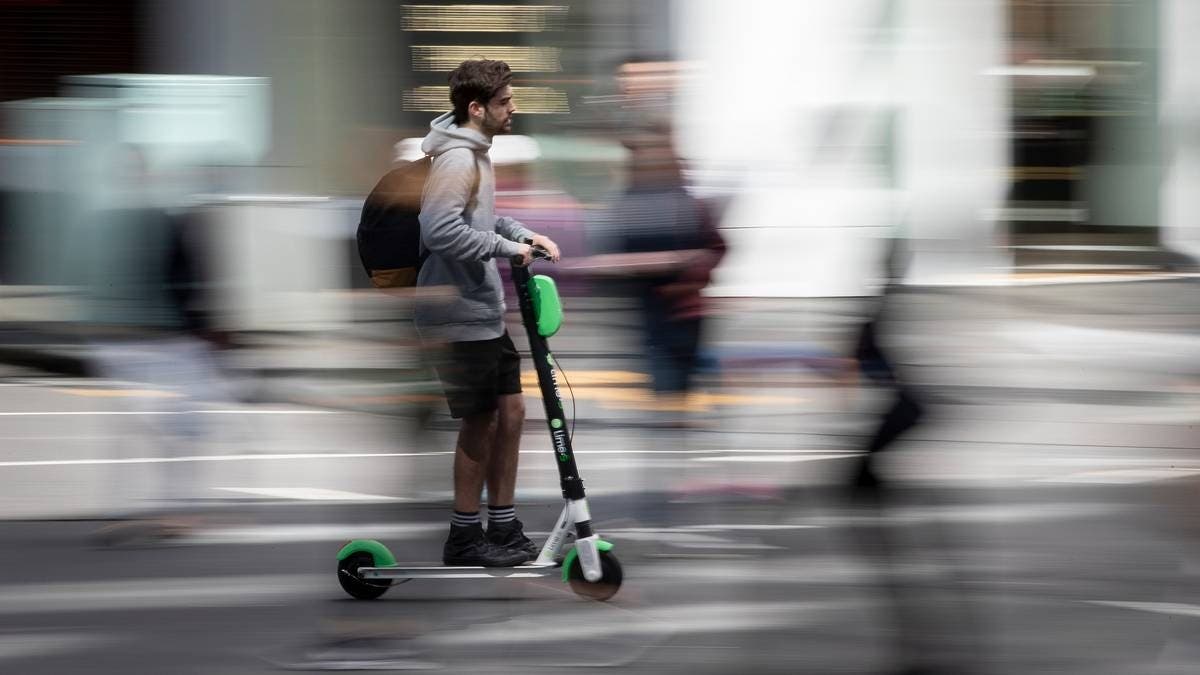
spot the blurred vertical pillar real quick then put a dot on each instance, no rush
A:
(336, 67)
(1179, 119)
(848, 122)
(953, 137)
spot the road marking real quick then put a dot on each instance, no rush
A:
(592, 378)
(311, 494)
(1123, 476)
(65, 382)
(1171, 608)
(65, 413)
(622, 389)
(963, 513)
(162, 593)
(750, 527)
(689, 536)
(357, 455)
(26, 645)
(644, 399)
(773, 458)
(609, 620)
(285, 534)
(120, 393)
(216, 458)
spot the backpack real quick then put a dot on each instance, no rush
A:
(389, 231)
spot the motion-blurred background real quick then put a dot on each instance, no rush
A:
(921, 397)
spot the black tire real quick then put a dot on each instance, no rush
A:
(356, 586)
(606, 587)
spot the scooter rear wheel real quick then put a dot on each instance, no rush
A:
(355, 585)
(608, 585)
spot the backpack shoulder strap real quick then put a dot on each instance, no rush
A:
(478, 177)
(428, 159)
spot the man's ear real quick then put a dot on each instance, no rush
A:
(475, 110)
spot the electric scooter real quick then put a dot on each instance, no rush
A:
(367, 569)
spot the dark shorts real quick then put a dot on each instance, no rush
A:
(474, 374)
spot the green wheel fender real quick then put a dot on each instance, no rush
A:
(601, 545)
(383, 557)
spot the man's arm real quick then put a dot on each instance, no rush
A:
(512, 229)
(443, 229)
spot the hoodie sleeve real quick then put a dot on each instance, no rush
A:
(443, 229)
(512, 229)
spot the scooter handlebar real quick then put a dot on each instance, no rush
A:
(538, 252)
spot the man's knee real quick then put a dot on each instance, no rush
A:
(476, 434)
(512, 411)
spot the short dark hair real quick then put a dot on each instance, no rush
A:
(476, 80)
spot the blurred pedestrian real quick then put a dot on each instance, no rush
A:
(656, 242)
(930, 618)
(149, 327)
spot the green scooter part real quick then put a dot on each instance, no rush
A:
(601, 545)
(547, 306)
(382, 556)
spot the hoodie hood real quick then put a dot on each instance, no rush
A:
(445, 135)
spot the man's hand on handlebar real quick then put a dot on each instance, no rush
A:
(541, 247)
(546, 243)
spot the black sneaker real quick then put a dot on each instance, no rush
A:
(467, 547)
(511, 535)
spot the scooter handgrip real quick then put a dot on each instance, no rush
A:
(536, 252)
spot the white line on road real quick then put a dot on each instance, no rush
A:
(1123, 476)
(686, 536)
(1172, 608)
(308, 533)
(64, 413)
(607, 621)
(26, 645)
(752, 527)
(162, 593)
(216, 458)
(312, 494)
(368, 455)
(760, 459)
(285, 534)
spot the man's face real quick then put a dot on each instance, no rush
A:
(498, 113)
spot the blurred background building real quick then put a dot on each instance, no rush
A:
(1037, 136)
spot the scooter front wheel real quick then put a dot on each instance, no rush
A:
(355, 585)
(609, 583)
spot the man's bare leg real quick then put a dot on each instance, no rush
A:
(466, 544)
(504, 529)
(472, 454)
(506, 451)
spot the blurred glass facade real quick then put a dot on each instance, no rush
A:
(1048, 118)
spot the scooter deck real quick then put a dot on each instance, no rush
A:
(444, 572)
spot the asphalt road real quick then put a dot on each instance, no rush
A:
(1043, 519)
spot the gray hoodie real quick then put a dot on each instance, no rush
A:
(463, 236)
